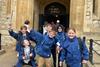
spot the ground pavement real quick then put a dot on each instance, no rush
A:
(9, 58)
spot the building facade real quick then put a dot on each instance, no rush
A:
(84, 15)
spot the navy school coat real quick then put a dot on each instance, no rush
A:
(19, 37)
(21, 53)
(43, 43)
(72, 53)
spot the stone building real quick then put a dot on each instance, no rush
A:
(84, 15)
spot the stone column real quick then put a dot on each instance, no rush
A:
(36, 15)
(13, 13)
(97, 6)
(88, 12)
(5, 19)
(77, 15)
(24, 12)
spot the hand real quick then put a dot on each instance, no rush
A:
(58, 49)
(84, 61)
(60, 63)
(10, 27)
(31, 55)
(23, 57)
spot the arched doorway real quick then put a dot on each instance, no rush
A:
(54, 12)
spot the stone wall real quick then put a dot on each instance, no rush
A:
(24, 10)
(91, 24)
(91, 27)
(36, 15)
(17, 11)
(5, 19)
(77, 15)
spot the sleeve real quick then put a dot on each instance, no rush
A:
(34, 35)
(62, 57)
(20, 55)
(13, 34)
(33, 52)
(58, 44)
(57, 41)
(85, 52)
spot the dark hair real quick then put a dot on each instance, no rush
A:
(27, 22)
(54, 28)
(23, 27)
(71, 29)
(62, 27)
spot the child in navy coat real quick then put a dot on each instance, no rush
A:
(20, 36)
(43, 47)
(26, 54)
(72, 53)
(61, 37)
(27, 24)
(48, 27)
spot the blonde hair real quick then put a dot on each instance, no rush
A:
(71, 29)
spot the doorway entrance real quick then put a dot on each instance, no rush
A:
(54, 12)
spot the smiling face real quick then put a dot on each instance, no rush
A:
(71, 33)
(23, 29)
(60, 29)
(52, 34)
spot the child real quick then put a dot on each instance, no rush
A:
(71, 52)
(43, 47)
(48, 27)
(26, 23)
(61, 37)
(20, 36)
(26, 54)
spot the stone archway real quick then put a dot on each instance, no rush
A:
(76, 10)
(34, 8)
(52, 13)
(29, 9)
(43, 4)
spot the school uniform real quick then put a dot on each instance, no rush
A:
(26, 51)
(53, 51)
(72, 53)
(19, 37)
(44, 44)
(61, 37)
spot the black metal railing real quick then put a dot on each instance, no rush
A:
(84, 39)
(91, 49)
(0, 41)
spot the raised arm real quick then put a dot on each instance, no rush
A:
(34, 35)
(12, 33)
